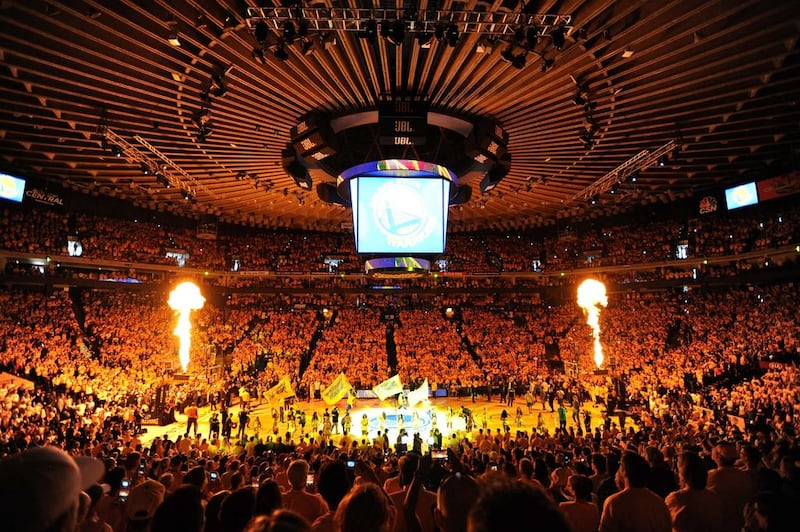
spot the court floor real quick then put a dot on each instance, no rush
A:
(445, 413)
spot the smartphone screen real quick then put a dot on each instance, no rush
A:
(439, 454)
(310, 480)
(213, 475)
(124, 490)
(351, 464)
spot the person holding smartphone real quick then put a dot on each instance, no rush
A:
(298, 499)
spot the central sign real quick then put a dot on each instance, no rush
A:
(402, 123)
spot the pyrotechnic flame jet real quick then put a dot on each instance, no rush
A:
(184, 299)
(592, 295)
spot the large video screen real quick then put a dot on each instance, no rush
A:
(399, 215)
(11, 188)
(741, 196)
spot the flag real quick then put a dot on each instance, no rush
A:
(737, 422)
(418, 395)
(337, 389)
(280, 391)
(388, 388)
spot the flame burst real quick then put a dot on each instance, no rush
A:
(591, 295)
(184, 299)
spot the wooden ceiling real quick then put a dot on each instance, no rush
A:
(719, 77)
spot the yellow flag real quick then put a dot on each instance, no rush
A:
(280, 391)
(337, 389)
(389, 387)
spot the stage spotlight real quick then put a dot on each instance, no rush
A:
(452, 34)
(424, 39)
(438, 32)
(614, 188)
(203, 133)
(281, 53)
(558, 35)
(162, 180)
(394, 32)
(593, 200)
(262, 32)
(145, 168)
(662, 161)
(328, 40)
(302, 30)
(218, 87)
(634, 177)
(289, 31)
(201, 117)
(258, 55)
(370, 32)
(308, 47)
(531, 37)
(116, 151)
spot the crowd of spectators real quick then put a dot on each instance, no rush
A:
(430, 347)
(597, 244)
(352, 341)
(710, 377)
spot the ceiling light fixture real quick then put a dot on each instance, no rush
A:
(370, 32)
(424, 39)
(328, 40)
(393, 32)
(289, 31)
(281, 53)
(452, 34)
(438, 32)
(558, 34)
(531, 37)
(262, 32)
(258, 55)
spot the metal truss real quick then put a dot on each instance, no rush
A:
(641, 161)
(168, 169)
(494, 24)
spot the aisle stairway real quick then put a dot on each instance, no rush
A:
(312, 345)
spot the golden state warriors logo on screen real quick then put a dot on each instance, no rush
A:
(400, 214)
(11, 188)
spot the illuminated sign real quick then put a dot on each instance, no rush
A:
(11, 188)
(402, 123)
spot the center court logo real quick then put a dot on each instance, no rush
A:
(399, 213)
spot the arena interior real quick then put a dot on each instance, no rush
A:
(399, 266)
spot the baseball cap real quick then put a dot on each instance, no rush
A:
(40, 484)
(145, 499)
